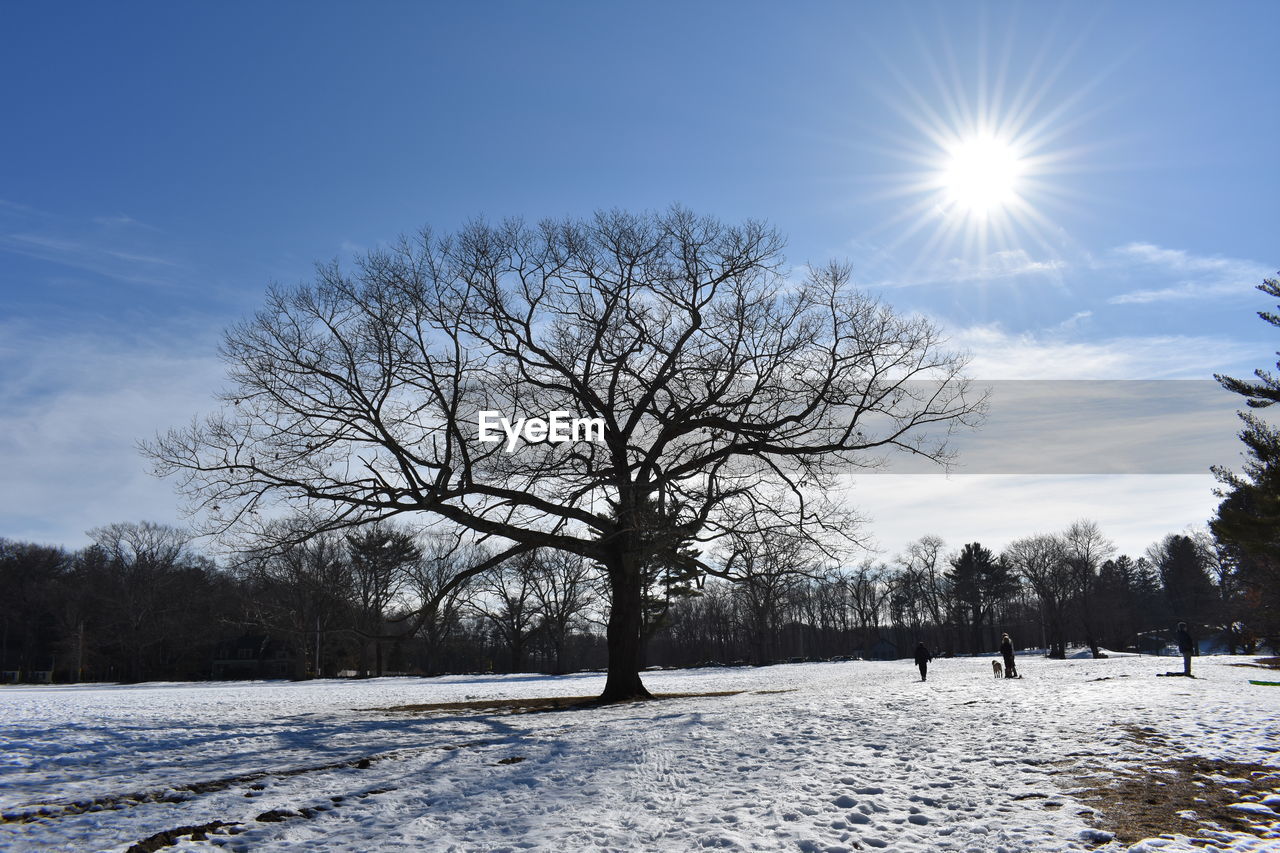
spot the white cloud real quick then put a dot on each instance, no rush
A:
(73, 407)
(996, 266)
(1010, 263)
(1000, 354)
(1193, 276)
(1133, 510)
(1075, 321)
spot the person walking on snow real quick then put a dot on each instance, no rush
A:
(1186, 646)
(922, 660)
(1006, 651)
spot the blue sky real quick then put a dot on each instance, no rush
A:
(164, 162)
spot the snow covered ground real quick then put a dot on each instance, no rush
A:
(823, 756)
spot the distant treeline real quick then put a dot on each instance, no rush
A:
(141, 604)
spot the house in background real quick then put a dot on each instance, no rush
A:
(881, 649)
(31, 676)
(13, 670)
(253, 656)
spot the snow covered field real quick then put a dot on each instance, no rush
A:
(824, 756)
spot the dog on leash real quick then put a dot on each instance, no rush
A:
(996, 670)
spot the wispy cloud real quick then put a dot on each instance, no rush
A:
(1192, 276)
(118, 247)
(121, 220)
(12, 208)
(1075, 321)
(996, 266)
(1010, 263)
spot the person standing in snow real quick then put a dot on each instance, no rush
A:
(1186, 646)
(1006, 651)
(922, 660)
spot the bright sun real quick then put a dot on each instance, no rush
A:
(981, 175)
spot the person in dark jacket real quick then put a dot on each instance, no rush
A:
(1186, 647)
(1006, 651)
(922, 660)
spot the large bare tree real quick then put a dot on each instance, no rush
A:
(733, 395)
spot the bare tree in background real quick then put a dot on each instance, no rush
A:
(1043, 561)
(433, 581)
(733, 397)
(506, 603)
(140, 591)
(381, 560)
(564, 586)
(868, 588)
(303, 592)
(767, 570)
(919, 591)
(1087, 549)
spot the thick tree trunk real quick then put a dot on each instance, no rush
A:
(557, 654)
(1057, 644)
(624, 633)
(300, 655)
(517, 652)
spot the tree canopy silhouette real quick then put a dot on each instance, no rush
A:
(733, 396)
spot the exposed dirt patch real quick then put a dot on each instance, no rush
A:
(534, 705)
(1147, 735)
(174, 794)
(172, 836)
(1262, 663)
(1189, 795)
